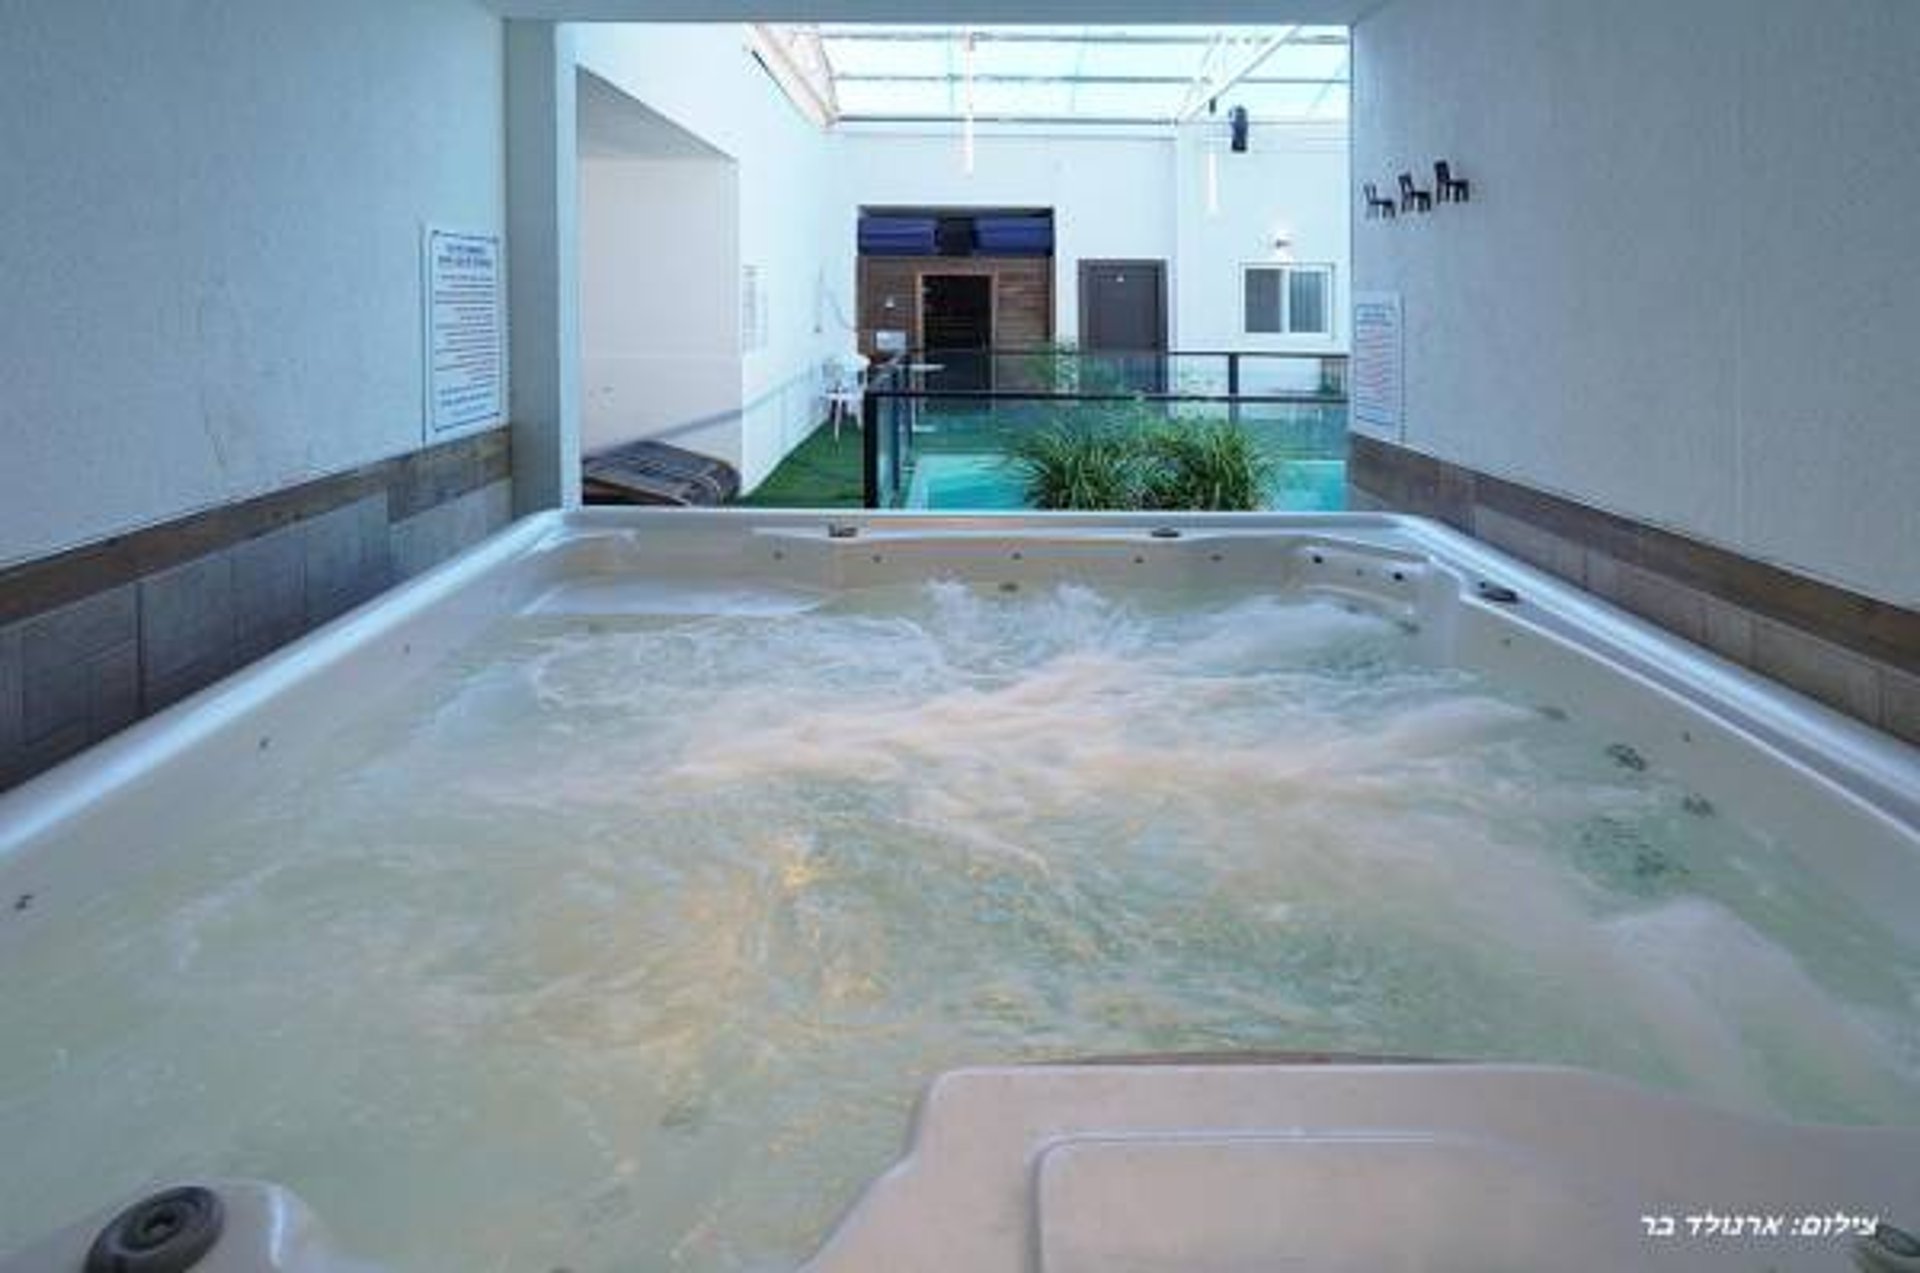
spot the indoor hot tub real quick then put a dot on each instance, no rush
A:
(607, 898)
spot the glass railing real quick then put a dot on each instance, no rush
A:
(1297, 377)
(971, 430)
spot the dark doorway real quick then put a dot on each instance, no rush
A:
(956, 328)
(1123, 317)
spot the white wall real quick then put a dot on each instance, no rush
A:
(702, 79)
(210, 222)
(1684, 290)
(1291, 183)
(543, 267)
(1109, 194)
(659, 302)
(1137, 195)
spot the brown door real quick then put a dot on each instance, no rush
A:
(1123, 314)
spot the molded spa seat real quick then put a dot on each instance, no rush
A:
(1450, 1169)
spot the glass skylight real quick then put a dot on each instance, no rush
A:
(1073, 74)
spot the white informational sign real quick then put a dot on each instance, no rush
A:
(466, 331)
(1378, 376)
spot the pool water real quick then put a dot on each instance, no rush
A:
(966, 482)
(963, 482)
(960, 460)
(627, 943)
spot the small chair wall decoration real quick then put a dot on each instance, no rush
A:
(1376, 206)
(1412, 198)
(1447, 187)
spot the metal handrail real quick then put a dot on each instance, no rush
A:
(903, 361)
(1063, 352)
(1048, 395)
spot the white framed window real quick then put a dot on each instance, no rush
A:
(1287, 300)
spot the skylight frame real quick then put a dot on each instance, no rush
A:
(1057, 76)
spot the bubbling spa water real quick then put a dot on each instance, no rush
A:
(627, 944)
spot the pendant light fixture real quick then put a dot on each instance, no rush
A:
(1212, 163)
(966, 126)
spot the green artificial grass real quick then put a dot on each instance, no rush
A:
(822, 472)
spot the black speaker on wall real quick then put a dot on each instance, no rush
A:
(1240, 125)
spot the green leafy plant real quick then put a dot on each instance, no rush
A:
(1207, 466)
(1131, 458)
(1078, 467)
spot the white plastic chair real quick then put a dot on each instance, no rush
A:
(845, 377)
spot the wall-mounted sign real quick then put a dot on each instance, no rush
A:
(1378, 377)
(466, 331)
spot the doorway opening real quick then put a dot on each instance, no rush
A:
(956, 323)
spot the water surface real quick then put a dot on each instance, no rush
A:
(627, 944)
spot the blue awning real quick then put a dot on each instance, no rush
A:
(899, 236)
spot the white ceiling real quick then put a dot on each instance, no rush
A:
(1249, 12)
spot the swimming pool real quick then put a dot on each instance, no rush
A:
(958, 456)
(605, 898)
(965, 482)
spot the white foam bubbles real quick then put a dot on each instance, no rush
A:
(638, 935)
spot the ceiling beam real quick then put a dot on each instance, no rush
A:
(1197, 81)
(1208, 87)
(937, 78)
(1075, 121)
(809, 88)
(1158, 122)
(1003, 35)
(1346, 68)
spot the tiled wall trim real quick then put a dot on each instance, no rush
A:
(94, 639)
(1852, 652)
